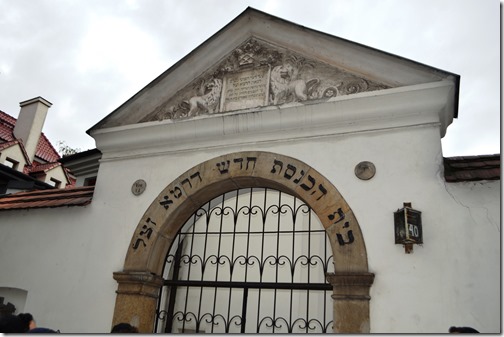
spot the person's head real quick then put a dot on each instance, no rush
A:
(124, 327)
(462, 329)
(28, 321)
(42, 330)
(11, 324)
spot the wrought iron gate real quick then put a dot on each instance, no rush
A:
(251, 260)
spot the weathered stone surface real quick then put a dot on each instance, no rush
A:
(136, 299)
(351, 301)
(256, 74)
(347, 243)
(245, 89)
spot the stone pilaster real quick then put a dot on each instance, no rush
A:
(136, 300)
(351, 301)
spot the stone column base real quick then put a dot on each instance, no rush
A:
(136, 300)
(351, 301)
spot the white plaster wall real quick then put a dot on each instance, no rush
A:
(82, 179)
(65, 257)
(476, 253)
(58, 174)
(14, 153)
(61, 258)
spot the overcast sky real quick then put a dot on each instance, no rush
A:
(87, 57)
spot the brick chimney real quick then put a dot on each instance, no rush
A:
(30, 122)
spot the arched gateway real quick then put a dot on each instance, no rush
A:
(140, 281)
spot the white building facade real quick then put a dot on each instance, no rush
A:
(352, 132)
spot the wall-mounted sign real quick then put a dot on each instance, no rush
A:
(408, 227)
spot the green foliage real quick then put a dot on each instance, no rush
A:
(64, 150)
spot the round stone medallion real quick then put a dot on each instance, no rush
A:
(138, 187)
(365, 170)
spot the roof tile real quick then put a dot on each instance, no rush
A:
(472, 168)
(43, 167)
(75, 196)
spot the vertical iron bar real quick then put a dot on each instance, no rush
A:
(203, 265)
(326, 266)
(244, 310)
(189, 270)
(261, 261)
(231, 266)
(277, 259)
(247, 256)
(173, 289)
(218, 258)
(309, 271)
(248, 234)
(294, 210)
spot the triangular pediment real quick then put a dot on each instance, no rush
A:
(259, 60)
(258, 74)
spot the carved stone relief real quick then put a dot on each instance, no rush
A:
(260, 74)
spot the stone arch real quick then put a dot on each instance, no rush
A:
(140, 281)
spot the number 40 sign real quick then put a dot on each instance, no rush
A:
(408, 227)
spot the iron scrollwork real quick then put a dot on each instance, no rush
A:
(240, 267)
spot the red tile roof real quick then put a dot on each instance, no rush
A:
(45, 150)
(42, 167)
(7, 123)
(472, 168)
(6, 145)
(75, 196)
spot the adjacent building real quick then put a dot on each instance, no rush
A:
(28, 160)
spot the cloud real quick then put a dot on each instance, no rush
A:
(88, 57)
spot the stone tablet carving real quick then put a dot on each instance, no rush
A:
(245, 89)
(260, 74)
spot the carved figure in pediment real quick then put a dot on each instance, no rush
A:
(286, 87)
(330, 92)
(208, 100)
(227, 87)
(250, 54)
(353, 86)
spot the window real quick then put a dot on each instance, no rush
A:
(13, 164)
(55, 183)
(90, 181)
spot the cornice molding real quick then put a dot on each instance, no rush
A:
(423, 104)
